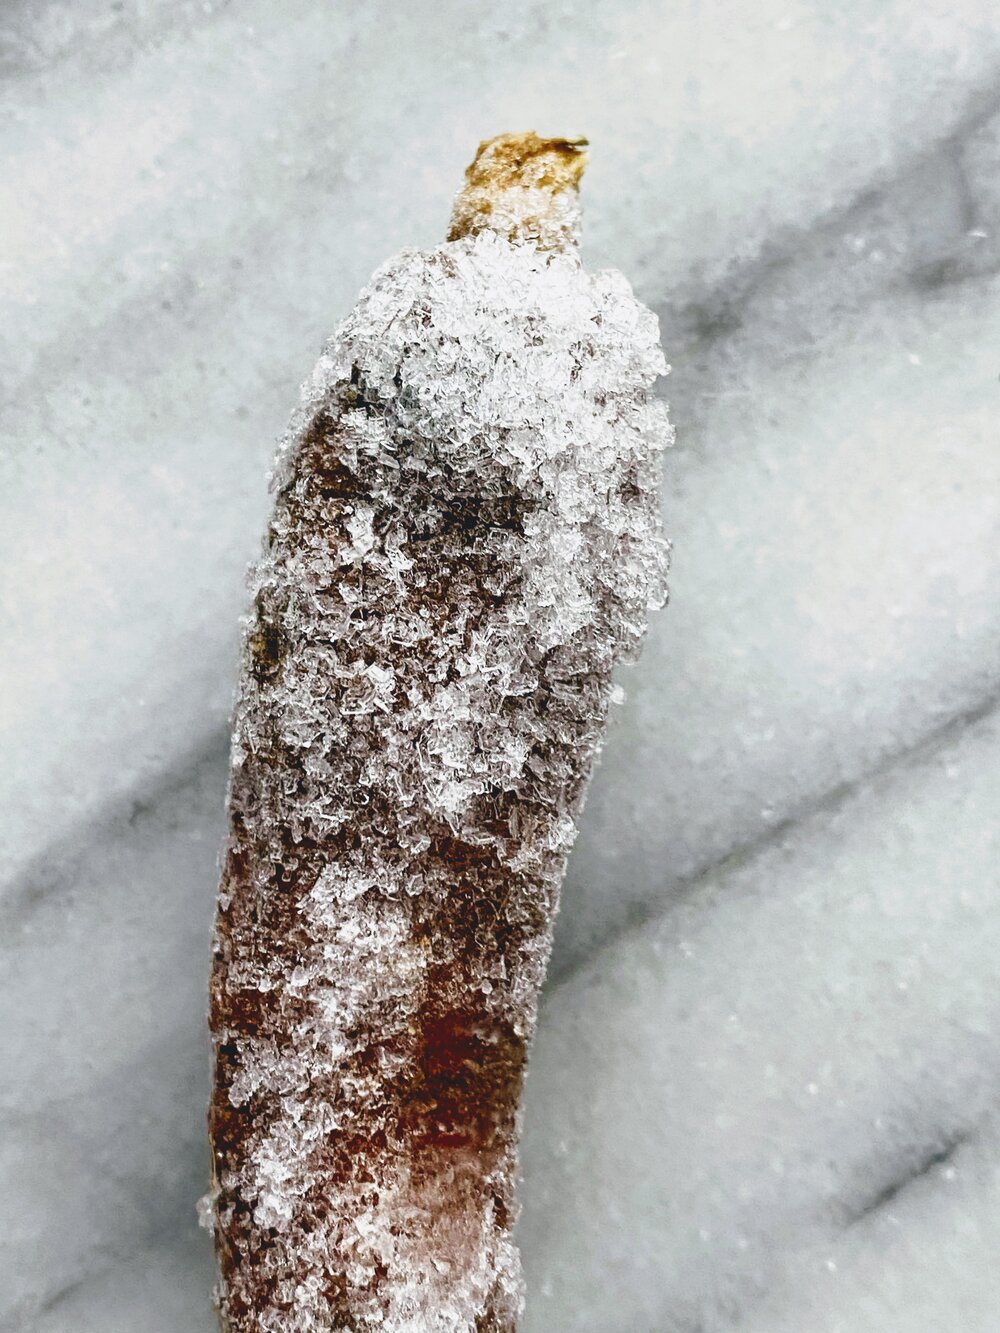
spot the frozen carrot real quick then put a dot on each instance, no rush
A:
(465, 542)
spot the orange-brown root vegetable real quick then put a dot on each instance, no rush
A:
(464, 544)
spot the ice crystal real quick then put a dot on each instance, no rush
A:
(465, 541)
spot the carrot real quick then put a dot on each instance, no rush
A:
(465, 542)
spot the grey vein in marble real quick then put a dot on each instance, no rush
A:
(774, 1019)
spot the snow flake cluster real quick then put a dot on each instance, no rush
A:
(466, 541)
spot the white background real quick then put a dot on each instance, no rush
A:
(764, 1093)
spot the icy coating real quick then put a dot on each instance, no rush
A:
(465, 542)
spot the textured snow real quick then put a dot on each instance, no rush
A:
(834, 595)
(807, 195)
(926, 1263)
(106, 1027)
(751, 1073)
(466, 541)
(164, 286)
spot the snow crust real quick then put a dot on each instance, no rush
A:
(466, 541)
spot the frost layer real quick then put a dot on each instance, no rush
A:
(466, 541)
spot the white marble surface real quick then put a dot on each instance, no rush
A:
(764, 1094)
